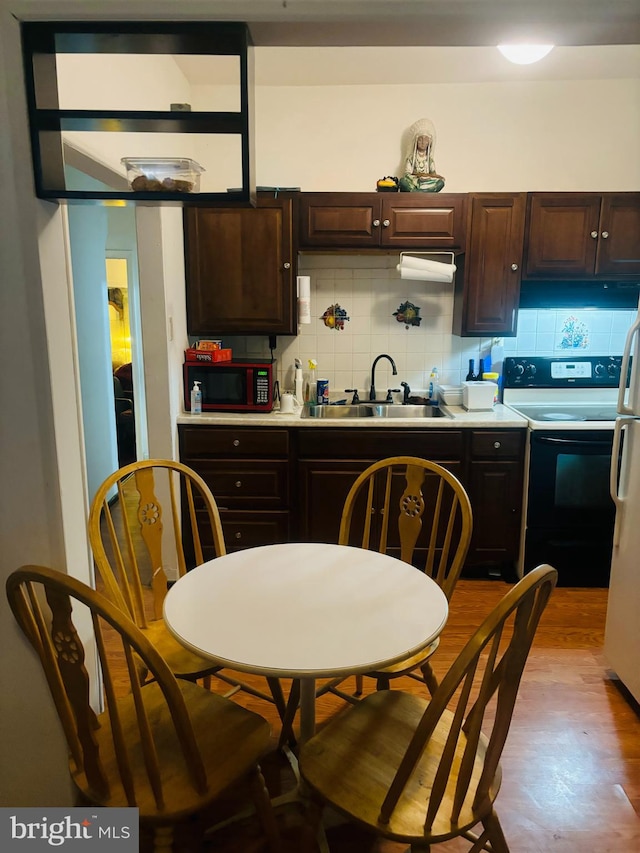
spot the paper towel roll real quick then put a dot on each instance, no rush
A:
(421, 269)
(304, 299)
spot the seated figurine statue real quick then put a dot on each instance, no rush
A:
(419, 167)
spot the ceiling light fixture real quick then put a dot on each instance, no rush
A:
(524, 54)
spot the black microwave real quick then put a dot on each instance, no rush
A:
(242, 385)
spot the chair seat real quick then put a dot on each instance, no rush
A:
(356, 781)
(231, 740)
(407, 665)
(182, 662)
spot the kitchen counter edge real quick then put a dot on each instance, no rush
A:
(499, 417)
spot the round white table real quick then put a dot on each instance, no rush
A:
(307, 611)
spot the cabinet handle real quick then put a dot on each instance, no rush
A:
(238, 484)
(373, 510)
(287, 265)
(514, 267)
(605, 234)
(238, 535)
(386, 223)
(376, 222)
(594, 234)
(497, 445)
(236, 442)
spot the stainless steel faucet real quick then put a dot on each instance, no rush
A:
(372, 391)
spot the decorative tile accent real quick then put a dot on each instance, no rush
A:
(408, 313)
(574, 334)
(335, 317)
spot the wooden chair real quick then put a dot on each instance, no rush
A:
(134, 547)
(422, 771)
(432, 530)
(169, 747)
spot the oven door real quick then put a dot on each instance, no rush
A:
(570, 513)
(569, 478)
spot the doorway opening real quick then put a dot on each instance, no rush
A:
(121, 359)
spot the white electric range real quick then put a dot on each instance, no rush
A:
(568, 514)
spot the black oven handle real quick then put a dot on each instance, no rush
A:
(574, 441)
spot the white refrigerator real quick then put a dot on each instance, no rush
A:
(622, 633)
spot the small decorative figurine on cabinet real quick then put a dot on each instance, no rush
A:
(420, 174)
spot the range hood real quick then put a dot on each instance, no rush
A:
(609, 295)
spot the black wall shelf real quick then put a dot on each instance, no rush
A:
(42, 42)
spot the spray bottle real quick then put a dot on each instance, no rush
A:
(298, 383)
(196, 399)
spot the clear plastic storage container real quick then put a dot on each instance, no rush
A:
(163, 174)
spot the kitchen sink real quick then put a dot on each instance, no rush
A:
(408, 411)
(333, 412)
(373, 410)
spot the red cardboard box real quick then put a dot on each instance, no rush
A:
(208, 356)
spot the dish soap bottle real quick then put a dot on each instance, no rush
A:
(196, 399)
(433, 381)
(312, 382)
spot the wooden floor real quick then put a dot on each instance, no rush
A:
(571, 766)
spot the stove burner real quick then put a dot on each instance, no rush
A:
(561, 416)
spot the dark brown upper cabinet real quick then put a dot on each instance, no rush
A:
(240, 268)
(583, 235)
(488, 288)
(49, 119)
(382, 220)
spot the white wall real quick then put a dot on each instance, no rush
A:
(565, 135)
(31, 521)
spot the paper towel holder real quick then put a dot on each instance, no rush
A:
(420, 276)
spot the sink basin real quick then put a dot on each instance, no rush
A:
(408, 412)
(373, 410)
(337, 412)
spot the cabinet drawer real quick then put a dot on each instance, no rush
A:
(251, 529)
(493, 444)
(260, 484)
(201, 442)
(378, 444)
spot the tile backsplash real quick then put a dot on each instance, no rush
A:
(369, 294)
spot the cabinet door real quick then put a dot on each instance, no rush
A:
(619, 239)
(486, 294)
(423, 220)
(340, 219)
(495, 486)
(562, 235)
(240, 269)
(495, 491)
(324, 485)
(323, 491)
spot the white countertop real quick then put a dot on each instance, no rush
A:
(500, 417)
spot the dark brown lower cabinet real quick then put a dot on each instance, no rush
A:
(330, 461)
(279, 485)
(249, 473)
(494, 482)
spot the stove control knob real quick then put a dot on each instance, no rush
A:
(518, 368)
(599, 369)
(613, 369)
(531, 370)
